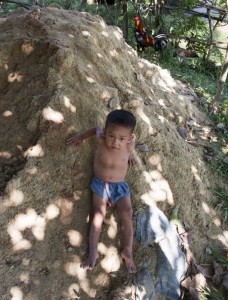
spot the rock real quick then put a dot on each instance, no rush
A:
(182, 133)
(225, 282)
(226, 160)
(220, 126)
(112, 103)
(143, 148)
(208, 250)
(152, 228)
(144, 286)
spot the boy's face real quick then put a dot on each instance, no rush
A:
(117, 137)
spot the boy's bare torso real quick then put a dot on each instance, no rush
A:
(110, 165)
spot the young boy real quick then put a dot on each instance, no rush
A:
(115, 145)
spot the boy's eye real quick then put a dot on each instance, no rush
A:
(122, 139)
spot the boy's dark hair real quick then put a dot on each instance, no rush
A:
(121, 117)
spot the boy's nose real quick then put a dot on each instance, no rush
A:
(115, 142)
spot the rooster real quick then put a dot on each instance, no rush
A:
(158, 42)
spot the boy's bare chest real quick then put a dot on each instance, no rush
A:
(112, 158)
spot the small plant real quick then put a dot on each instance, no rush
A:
(210, 293)
(220, 259)
(219, 165)
(221, 116)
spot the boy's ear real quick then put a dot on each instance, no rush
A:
(132, 136)
(104, 130)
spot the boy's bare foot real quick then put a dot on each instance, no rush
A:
(130, 265)
(91, 260)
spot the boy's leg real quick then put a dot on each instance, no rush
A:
(99, 212)
(125, 211)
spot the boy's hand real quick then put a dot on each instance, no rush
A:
(132, 161)
(74, 139)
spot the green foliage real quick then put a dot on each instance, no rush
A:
(190, 26)
(220, 259)
(190, 70)
(219, 164)
(8, 8)
(221, 115)
(66, 4)
(210, 293)
(187, 4)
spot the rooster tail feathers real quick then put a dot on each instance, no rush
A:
(161, 41)
(162, 36)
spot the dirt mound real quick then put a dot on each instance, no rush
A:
(64, 71)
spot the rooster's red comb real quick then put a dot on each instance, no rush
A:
(136, 18)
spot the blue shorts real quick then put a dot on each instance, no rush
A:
(111, 192)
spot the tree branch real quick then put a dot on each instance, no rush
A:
(205, 15)
(23, 4)
(199, 41)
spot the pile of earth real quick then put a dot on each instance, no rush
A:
(61, 72)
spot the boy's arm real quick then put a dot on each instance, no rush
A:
(77, 138)
(99, 133)
(131, 144)
(132, 160)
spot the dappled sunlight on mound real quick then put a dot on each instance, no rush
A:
(195, 171)
(67, 103)
(52, 211)
(74, 269)
(102, 279)
(104, 33)
(112, 230)
(212, 213)
(34, 151)
(99, 55)
(223, 238)
(27, 48)
(118, 33)
(31, 170)
(90, 79)
(7, 113)
(50, 114)
(16, 293)
(30, 220)
(5, 154)
(113, 53)
(146, 119)
(75, 238)
(86, 33)
(111, 261)
(16, 197)
(24, 277)
(22, 222)
(15, 76)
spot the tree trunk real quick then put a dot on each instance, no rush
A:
(83, 5)
(42, 3)
(125, 20)
(221, 82)
(109, 13)
(3, 6)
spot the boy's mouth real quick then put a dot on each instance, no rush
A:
(115, 148)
